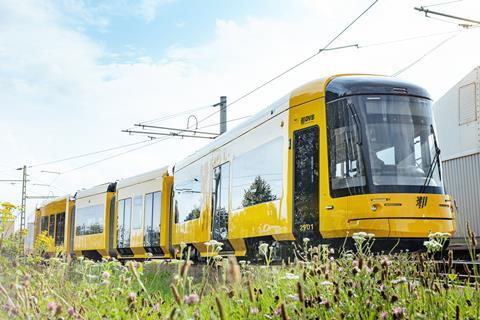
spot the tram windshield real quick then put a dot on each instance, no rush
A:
(382, 143)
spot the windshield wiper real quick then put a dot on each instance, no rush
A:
(353, 111)
(433, 164)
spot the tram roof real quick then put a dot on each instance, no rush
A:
(335, 86)
(54, 201)
(151, 175)
(105, 187)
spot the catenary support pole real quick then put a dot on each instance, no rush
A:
(223, 114)
(24, 198)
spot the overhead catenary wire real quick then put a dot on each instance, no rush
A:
(58, 188)
(400, 40)
(451, 22)
(252, 91)
(360, 46)
(174, 115)
(447, 15)
(325, 48)
(111, 157)
(442, 3)
(106, 158)
(240, 118)
(103, 159)
(89, 154)
(231, 120)
(441, 43)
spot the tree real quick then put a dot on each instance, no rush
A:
(7, 217)
(258, 192)
(9, 242)
(194, 214)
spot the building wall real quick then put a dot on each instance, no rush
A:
(462, 181)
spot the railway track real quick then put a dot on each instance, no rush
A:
(463, 269)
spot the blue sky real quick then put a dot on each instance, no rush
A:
(128, 29)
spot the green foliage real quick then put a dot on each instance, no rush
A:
(194, 214)
(258, 192)
(353, 286)
(11, 244)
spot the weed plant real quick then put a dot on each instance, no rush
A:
(353, 285)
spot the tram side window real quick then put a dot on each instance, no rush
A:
(60, 229)
(120, 223)
(148, 208)
(44, 224)
(123, 225)
(157, 215)
(51, 230)
(137, 212)
(90, 220)
(347, 174)
(257, 176)
(152, 219)
(188, 194)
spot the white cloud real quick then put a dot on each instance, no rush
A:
(148, 8)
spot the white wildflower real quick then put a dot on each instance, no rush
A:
(439, 235)
(359, 236)
(399, 280)
(291, 276)
(213, 243)
(263, 248)
(292, 297)
(433, 245)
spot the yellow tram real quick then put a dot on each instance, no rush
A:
(336, 156)
(50, 220)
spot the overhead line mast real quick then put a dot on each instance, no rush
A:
(187, 132)
(24, 197)
(446, 15)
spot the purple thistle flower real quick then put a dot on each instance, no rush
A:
(52, 307)
(71, 311)
(191, 299)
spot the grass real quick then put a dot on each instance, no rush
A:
(358, 285)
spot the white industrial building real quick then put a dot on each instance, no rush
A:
(457, 116)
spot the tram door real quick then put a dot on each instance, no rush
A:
(220, 201)
(306, 219)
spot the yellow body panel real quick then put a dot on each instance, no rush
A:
(137, 236)
(395, 215)
(90, 242)
(193, 231)
(259, 220)
(53, 208)
(98, 242)
(136, 242)
(165, 222)
(344, 216)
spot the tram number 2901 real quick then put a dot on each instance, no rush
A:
(306, 227)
